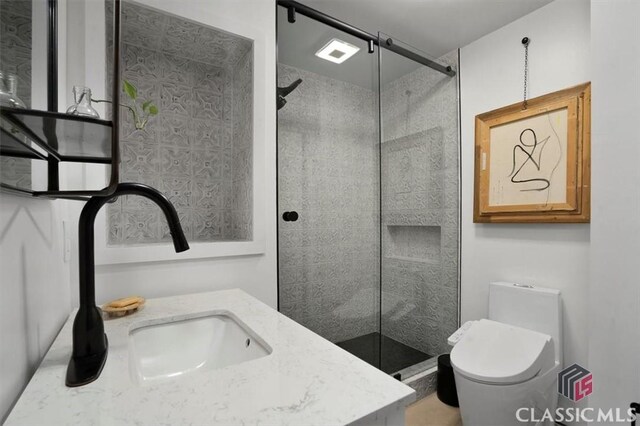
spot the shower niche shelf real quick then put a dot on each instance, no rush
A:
(412, 259)
(413, 243)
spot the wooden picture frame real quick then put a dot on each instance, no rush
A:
(533, 164)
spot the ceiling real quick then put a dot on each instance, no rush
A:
(432, 26)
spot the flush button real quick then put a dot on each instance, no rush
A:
(523, 285)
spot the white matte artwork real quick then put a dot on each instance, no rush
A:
(528, 161)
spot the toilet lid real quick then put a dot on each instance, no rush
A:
(494, 352)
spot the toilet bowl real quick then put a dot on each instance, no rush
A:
(506, 367)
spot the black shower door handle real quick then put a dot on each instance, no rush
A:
(290, 216)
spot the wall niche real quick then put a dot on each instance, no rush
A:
(413, 243)
(198, 150)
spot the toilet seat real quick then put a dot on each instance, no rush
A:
(496, 353)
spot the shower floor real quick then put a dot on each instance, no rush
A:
(383, 352)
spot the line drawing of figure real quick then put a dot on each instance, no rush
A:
(529, 160)
(531, 156)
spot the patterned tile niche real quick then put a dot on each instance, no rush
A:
(328, 173)
(420, 208)
(198, 149)
(15, 58)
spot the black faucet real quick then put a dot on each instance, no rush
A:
(89, 340)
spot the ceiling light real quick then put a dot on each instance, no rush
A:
(337, 51)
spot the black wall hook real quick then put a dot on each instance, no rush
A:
(526, 41)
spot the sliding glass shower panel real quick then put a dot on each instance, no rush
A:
(368, 195)
(328, 183)
(419, 205)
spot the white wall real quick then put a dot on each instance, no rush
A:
(614, 299)
(34, 289)
(34, 277)
(551, 255)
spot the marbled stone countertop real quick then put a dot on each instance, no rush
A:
(306, 380)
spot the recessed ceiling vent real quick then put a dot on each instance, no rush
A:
(337, 51)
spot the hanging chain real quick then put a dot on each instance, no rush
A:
(525, 42)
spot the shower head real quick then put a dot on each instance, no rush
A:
(284, 91)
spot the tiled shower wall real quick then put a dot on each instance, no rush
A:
(198, 149)
(15, 43)
(15, 57)
(420, 202)
(241, 166)
(328, 173)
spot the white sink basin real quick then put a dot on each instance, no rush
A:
(179, 346)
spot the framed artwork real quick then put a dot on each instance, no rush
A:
(533, 163)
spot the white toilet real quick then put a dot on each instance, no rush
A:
(512, 359)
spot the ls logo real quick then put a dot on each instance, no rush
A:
(575, 382)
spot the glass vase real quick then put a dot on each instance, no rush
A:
(9, 91)
(82, 105)
(9, 98)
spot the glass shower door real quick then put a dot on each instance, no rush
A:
(419, 207)
(328, 189)
(368, 208)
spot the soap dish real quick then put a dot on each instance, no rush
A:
(122, 307)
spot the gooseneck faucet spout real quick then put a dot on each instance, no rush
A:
(89, 340)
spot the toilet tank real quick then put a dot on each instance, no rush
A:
(531, 307)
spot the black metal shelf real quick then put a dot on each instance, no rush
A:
(60, 138)
(12, 145)
(64, 137)
(57, 138)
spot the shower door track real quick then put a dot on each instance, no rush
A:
(295, 7)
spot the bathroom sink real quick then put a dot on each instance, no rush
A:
(181, 346)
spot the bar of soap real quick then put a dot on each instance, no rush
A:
(122, 307)
(125, 301)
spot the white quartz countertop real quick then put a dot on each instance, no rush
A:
(306, 380)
